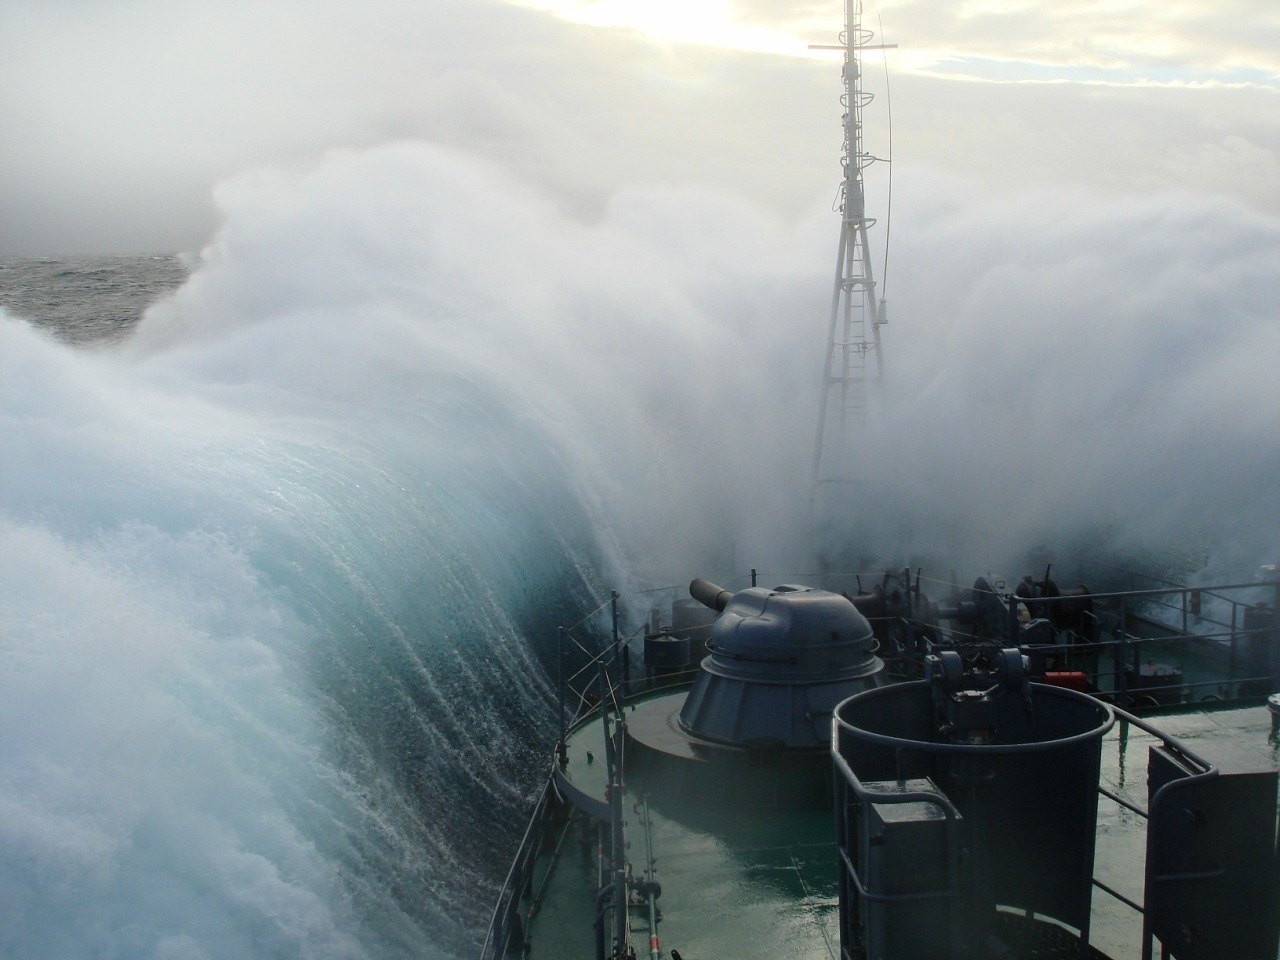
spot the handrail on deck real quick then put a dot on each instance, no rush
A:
(847, 779)
(1206, 771)
(505, 922)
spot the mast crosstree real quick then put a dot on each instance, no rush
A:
(854, 363)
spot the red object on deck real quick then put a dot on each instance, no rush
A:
(1071, 679)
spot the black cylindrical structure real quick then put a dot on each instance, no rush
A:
(666, 652)
(692, 620)
(1023, 808)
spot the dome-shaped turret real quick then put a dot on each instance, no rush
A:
(780, 661)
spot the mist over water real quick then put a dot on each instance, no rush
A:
(1083, 373)
(279, 576)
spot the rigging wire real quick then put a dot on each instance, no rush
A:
(589, 616)
(888, 216)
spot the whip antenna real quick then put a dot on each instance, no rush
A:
(888, 213)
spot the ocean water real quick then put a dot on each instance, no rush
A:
(259, 698)
(87, 300)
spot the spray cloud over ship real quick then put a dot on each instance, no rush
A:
(276, 574)
(1072, 370)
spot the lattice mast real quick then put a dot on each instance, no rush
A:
(854, 363)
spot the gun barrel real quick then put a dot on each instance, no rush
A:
(709, 595)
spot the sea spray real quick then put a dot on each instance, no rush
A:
(344, 664)
(1072, 371)
(278, 694)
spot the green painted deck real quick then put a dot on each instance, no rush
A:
(751, 879)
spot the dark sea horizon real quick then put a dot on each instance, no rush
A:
(88, 300)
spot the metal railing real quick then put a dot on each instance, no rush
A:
(609, 687)
(1136, 630)
(506, 927)
(847, 780)
(1203, 770)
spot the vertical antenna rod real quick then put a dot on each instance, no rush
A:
(853, 357)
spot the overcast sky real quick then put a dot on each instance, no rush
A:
(120, 116)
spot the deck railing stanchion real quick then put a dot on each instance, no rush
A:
(626, 649)
(560, 679)
(1231, 654)
(1122, 677)
(603, 687)
(1273, 642)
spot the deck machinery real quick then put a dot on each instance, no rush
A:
(801, 792)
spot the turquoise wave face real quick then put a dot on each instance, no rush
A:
(275, 680)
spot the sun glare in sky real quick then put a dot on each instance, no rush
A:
(1157, 56)
(705, 22)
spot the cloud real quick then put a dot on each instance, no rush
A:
(1019, 39)
(119, 118)
(122, 117)
(1119, 42)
